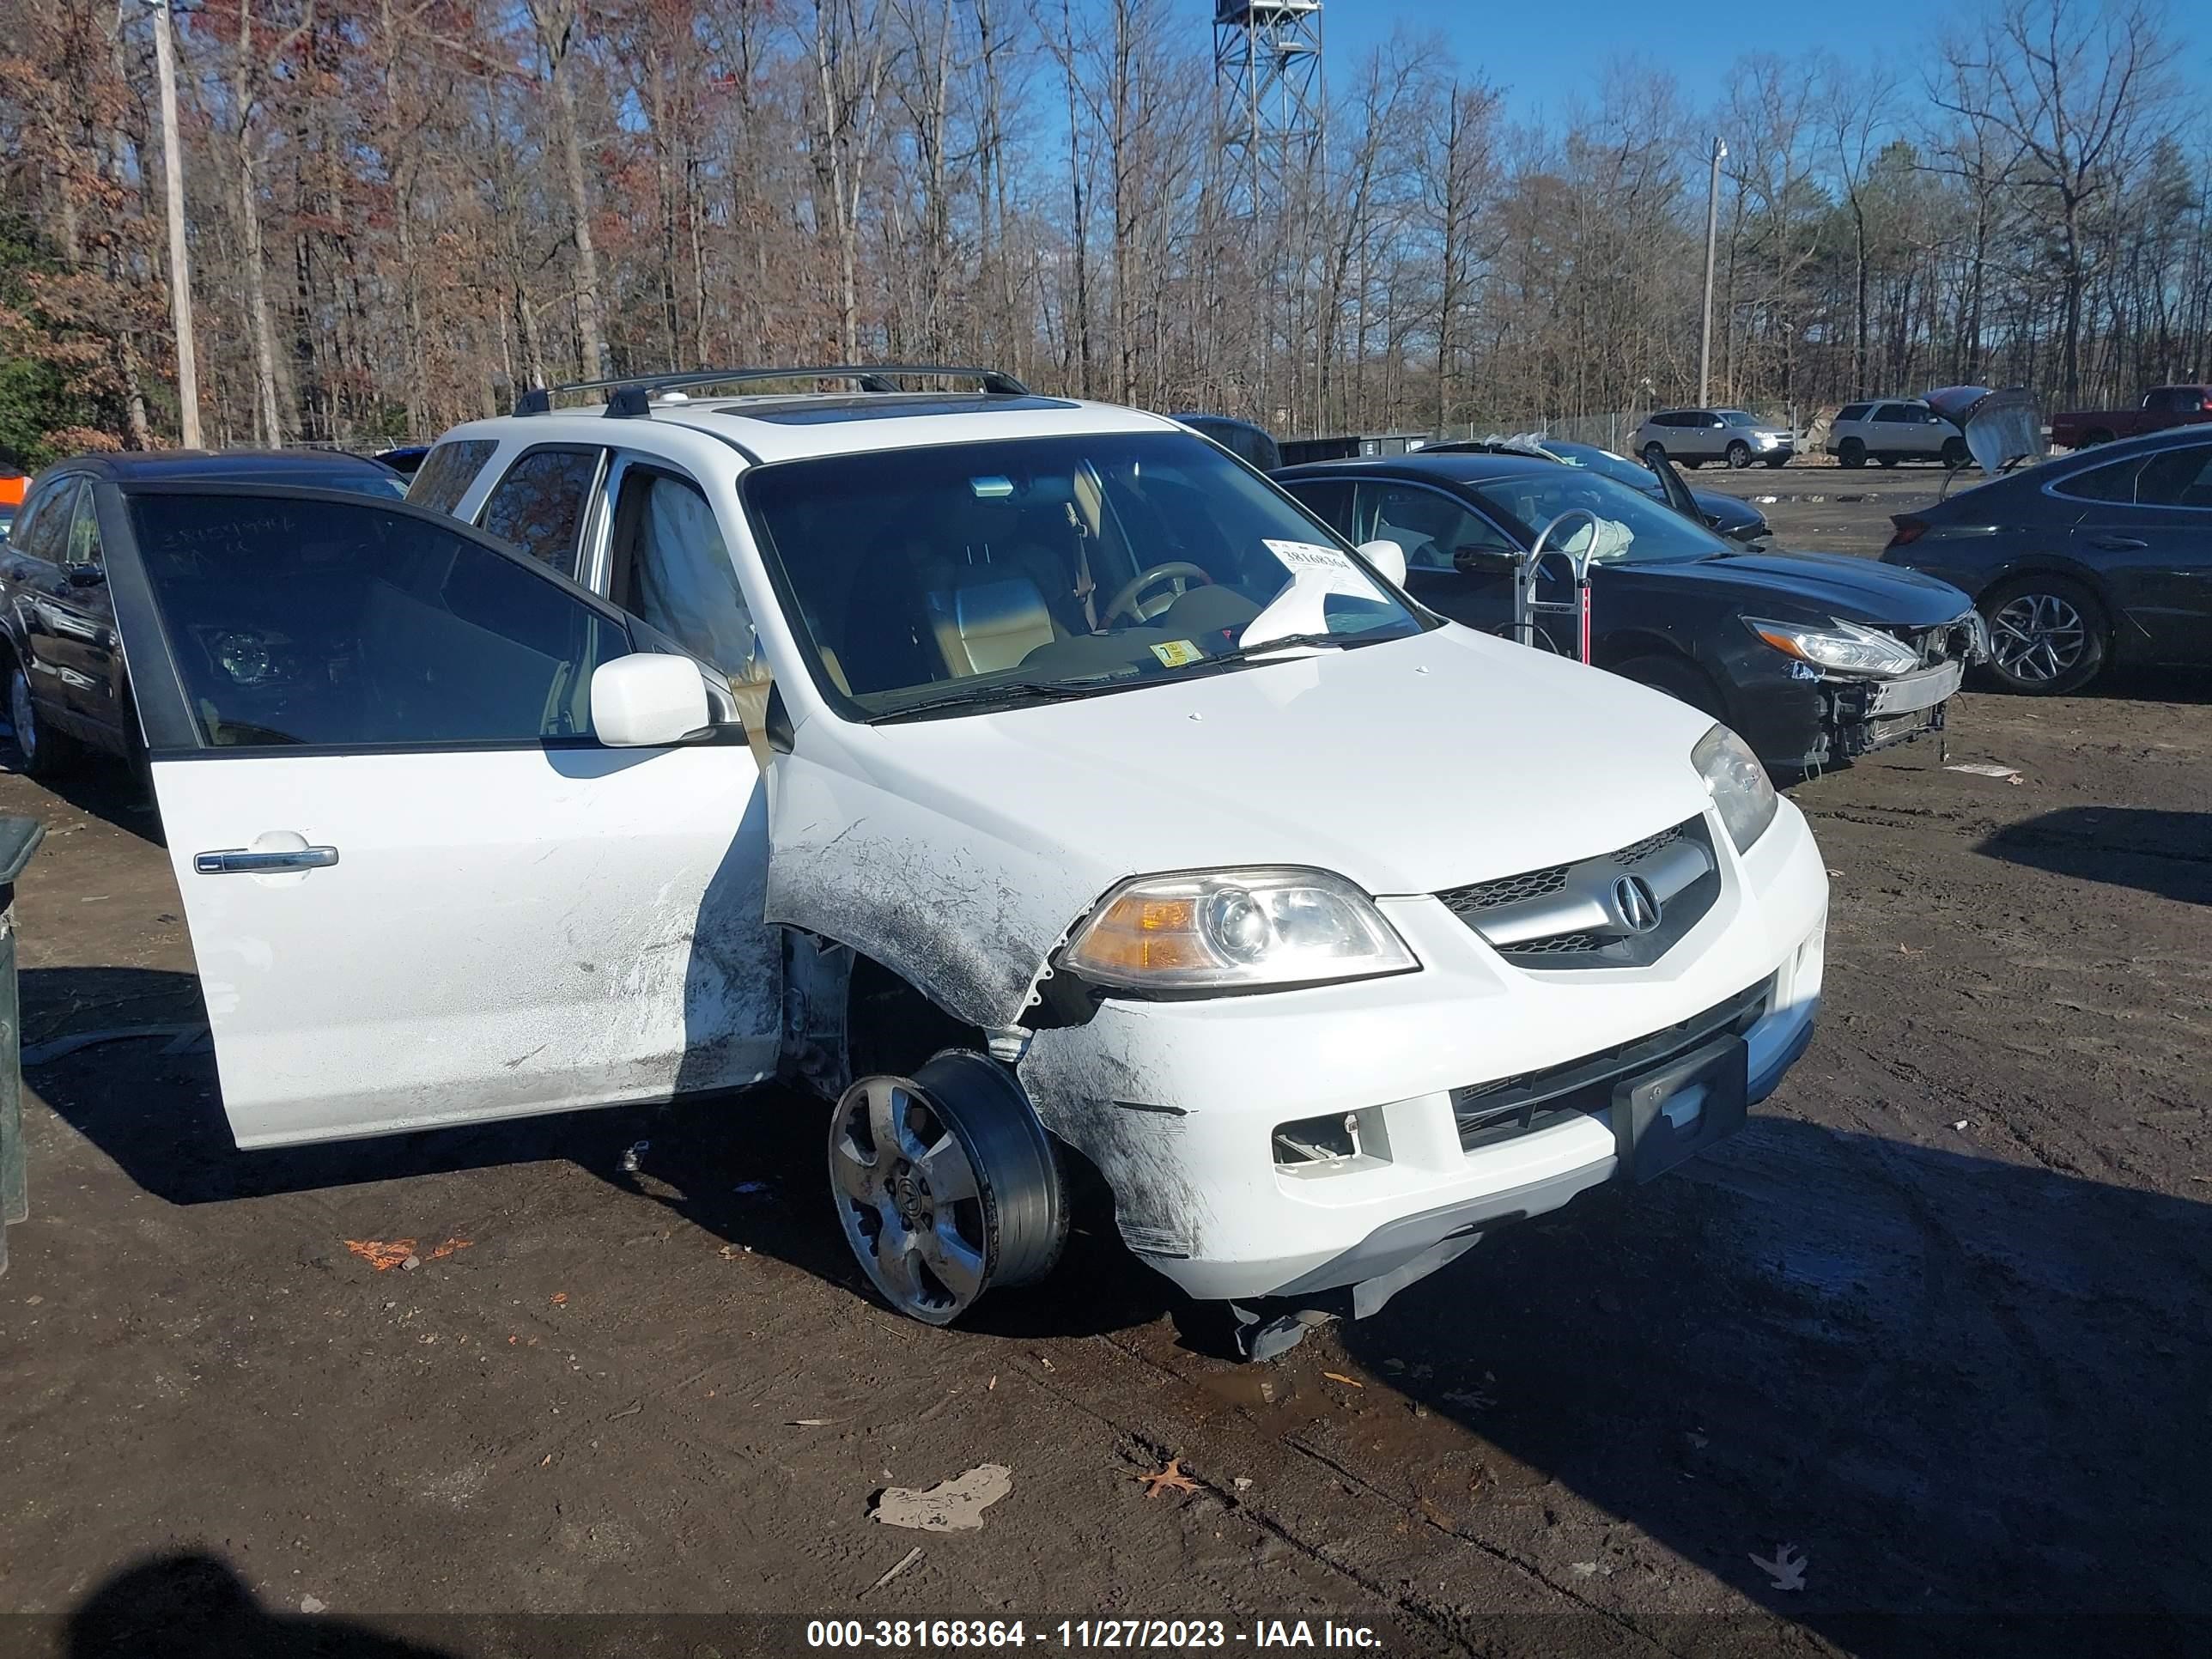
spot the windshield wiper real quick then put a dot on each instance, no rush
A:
(1004, 691)
(1293, 641)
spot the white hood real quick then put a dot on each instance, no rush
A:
(964, 847)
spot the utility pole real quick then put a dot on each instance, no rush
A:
(1712, 233)
(180, 275)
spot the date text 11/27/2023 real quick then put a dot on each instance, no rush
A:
(909, 1634)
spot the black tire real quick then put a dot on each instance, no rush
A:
(1887, 460)
(1693, 462)
(41, 750)
(1852, 452)
(968, 1114)
(1955, 453)
(1679, 678)
(1655, 452)
(1739, 455)
(1778, 462)
(2048, 634)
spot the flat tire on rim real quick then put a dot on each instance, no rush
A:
(39, 751)
(945, 1185)
(2046, 636)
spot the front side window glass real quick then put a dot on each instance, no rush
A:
(1040, 569)
(675, 572)
(1428, 527)
(1632, 528)
(84, 531)
(351, 625)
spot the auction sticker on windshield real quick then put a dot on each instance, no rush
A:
(1317, 572)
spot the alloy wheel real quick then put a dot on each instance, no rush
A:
(910, 1199)
(2038, 637)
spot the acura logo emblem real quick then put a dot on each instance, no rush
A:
(1635, 905)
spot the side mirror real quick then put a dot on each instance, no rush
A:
(647, 700)
(86, 575)
(1387, 557)
(1485, 561)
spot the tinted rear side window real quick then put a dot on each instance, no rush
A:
(448, 472)
(354, 626)
(2115, 482)
(1852, 412)
(539, 505)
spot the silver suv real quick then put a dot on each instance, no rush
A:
(1903, 430)
(1694, 437)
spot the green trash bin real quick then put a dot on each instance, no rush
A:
(19, 838)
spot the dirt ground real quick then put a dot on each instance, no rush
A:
(1920, 1362)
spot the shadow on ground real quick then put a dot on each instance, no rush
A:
(1974, 1397)
(158, 1116)
(2168, 853)
(195, 1606)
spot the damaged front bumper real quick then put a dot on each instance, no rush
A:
(1864, 716)
(1355, 1137)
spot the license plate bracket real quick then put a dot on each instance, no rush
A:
(1708, 1090)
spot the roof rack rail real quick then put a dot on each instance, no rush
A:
(869, 377)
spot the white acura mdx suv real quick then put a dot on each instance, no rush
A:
(1032, 778)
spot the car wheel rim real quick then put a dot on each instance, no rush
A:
(909, 1199)
(2038, 637)
(23, 715)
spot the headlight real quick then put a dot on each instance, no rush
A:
(1233, 930)
(1738, 784)
(1845, 646)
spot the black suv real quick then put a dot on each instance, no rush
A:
(67, 688)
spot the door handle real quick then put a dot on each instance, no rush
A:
(2118, 543)
(244, 862)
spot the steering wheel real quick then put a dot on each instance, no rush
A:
(1174, 570)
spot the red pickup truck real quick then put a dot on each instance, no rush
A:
(2162, 406)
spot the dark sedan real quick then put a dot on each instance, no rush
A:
(1724, 514)
(67, 689)
(1814, 659)
(2100, 557)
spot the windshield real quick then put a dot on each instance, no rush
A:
(1030, 568)
(1607, 465)
(1635, 530)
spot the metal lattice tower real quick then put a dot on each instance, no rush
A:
(1267, 67)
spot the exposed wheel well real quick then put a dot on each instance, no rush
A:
(1664, 668)
(892, 1026)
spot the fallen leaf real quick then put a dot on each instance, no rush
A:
(546, 1460)
(1171, 1479)
(449, 1247)
(992, 1384)
(1436, 1515)
(382, 1254)
(560, 1298)
(1338, 1376)
(1907, 951)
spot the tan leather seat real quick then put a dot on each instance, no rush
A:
(988, 624)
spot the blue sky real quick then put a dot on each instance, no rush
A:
(1547, 52)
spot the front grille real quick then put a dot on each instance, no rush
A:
(1506, 889)
(1563, 915)
(1509, 1108)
